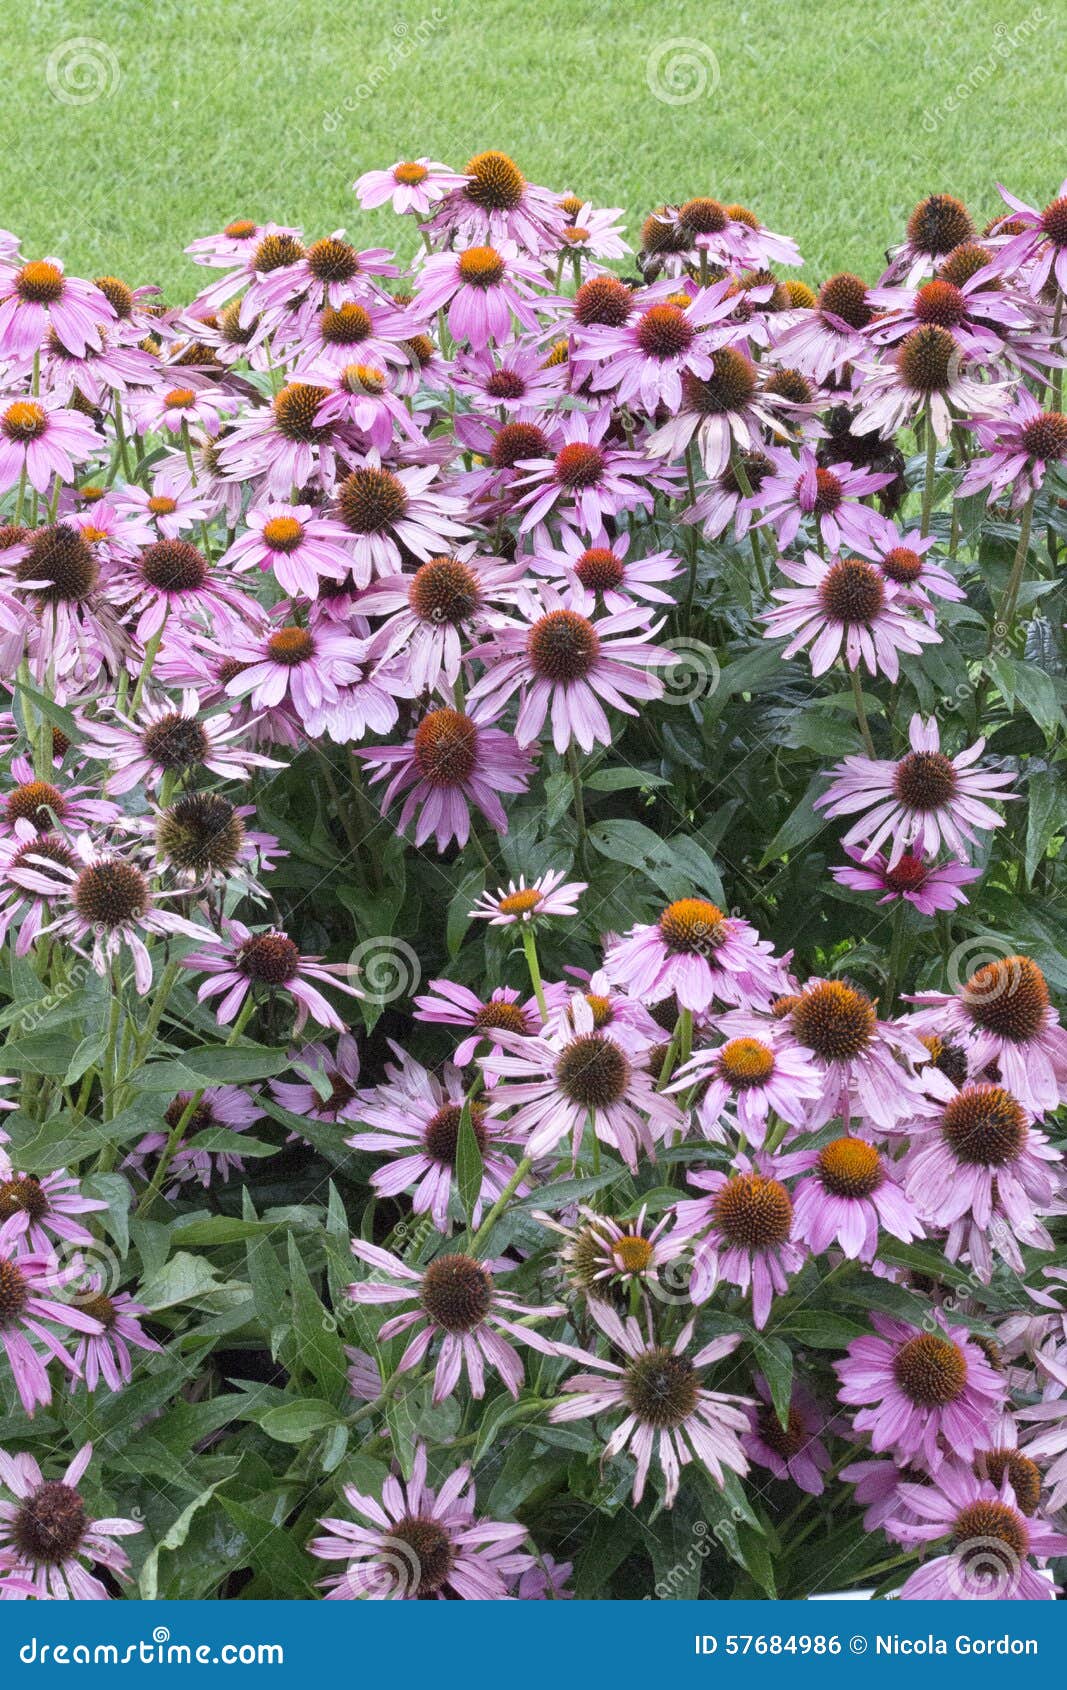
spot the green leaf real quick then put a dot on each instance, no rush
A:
(173, 1538)
(469, 1163)
(1047, 795)
(622, 779)
(294, 1422)
(818, 1329)
(272, 1551)
(212, 1065)
(460, 905)
(802, 824)
(319, 1349)
(775, 1360)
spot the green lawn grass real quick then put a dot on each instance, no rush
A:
(828, 116)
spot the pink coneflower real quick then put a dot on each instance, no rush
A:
(502, 381)
(411, 185)
(927, 886)
(666, 1410)
(106, 1355)
(744, 1234)
(328, 272)
(306, 668)
(753, 1078)
(724, 503)
(569, 666)
(30, 910)
(431, 612)
(333, 1098)
(793, 1452)
(563, 1082)
(386, 509)
(452, 1005)
(284, 445)
(168, 738)
(40, 441)
(245, 960)
(644, 361)
(863, 1061)
(938, 225)
(37, 296)
(992, 1541)
(420, 1544)
(484, 288)
(253, 253)
(417, 1116)
(360, 396)
(699, 954)
(928, 373)
(1039, 249)
(798, 491)
(843, 607)
(981, 1160)
(851, 1193)
(220, 1110)
(105, 899)
(903, 559)
(545, 1581)
(49, 1531)
(597, 572)
(549, 894)
(298, 545)
(72, 630)
(723, 413)
(984, 320)
(458, 1301)
(822, 340)
(602, 1253)
(1018, 450)
(152, 514)
(1003, 1018)
(449, 764)
(591, 232)
(497, 203)
(35, 1211)
(923, 799)
(37, 806)
(174, 578)
(368, 331)
(184, 406)
(27, 1298)
(587, 481)
(921, 1394)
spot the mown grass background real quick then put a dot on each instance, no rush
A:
(828, 116)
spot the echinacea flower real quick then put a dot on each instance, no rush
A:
(105, 1355)
(849, 1194)
(794, 1451)
(308, 669)
(753, 1077)
(843, 607)
(457, 1300)
(329, 1093)
(1002, 1017)
(598, 571)
(924, 799)
(560, 1083)
(37, 296)
(38, 807)
(431, 612)
(722, 413)
(699, 954)
(193, 404)
(644, 361)
(929, 374)
(821, 340)
(449, 764)
(744, 1234)
(29, 1307)
(168, 738)
(36, 1211)
(979, 1159)
(174, 578)
(496, 203)
(549, 894)
(799, 490)
(1017, 450)
(904, 560)
(413, 185)
(601, 1253)
(297, 544)
(244, 960)
(39, 441)
(51, 1534)
(1037, 248)
(928, 886)
(385, 510)
(568, 667)
(483, 288)
(215, 1113)
(416, 1118)
(924, 1395)
(992, 1541)
(452, 1005)
(938, 224)
(102, 898)
(589, 480)
(420, 1544)
(667, 1413)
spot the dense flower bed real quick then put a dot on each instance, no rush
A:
(531, 909)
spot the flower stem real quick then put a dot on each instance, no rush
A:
(178, 1130)
(1006, 615)
(500, 1205)
(861, 712)
(741, 477)
(579, 805)
(928, 483)
(529, 945)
